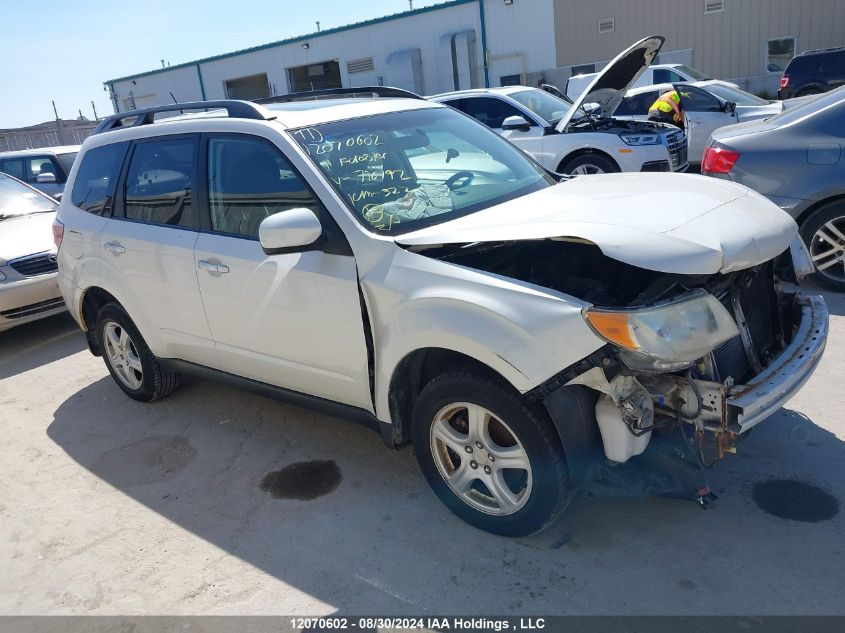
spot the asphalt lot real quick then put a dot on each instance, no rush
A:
(109, 506)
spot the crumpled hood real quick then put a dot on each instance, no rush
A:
(670, 223)
(26, 235)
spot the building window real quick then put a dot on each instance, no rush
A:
(714, 6)
(607, 25)
(510, 80)
(247, 88)
(779, 52)
(583, 69)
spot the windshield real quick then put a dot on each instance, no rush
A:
(696, 75)
(542, 103)
(739, 97)
(405, 170)
(809, 106)
(67, 160)
(17, 199)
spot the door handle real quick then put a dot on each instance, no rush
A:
(114, 247)
(204, 264)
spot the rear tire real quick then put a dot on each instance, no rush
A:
(492, 458)
(824, 234)
(588, 164)
(129, 360)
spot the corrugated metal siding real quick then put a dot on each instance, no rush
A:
(728, 44)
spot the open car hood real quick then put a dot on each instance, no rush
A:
(610, 85)
(664, 222)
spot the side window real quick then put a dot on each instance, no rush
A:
(159, 182)
(661, 76)
(696, 100)
(13, 167)
(491, 112)
(93, 188)
(42, 165)
(249, 179)
(637, 104)
(675, 77)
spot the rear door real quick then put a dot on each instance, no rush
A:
(833, 70)
(292, 320)
(148, 248)
(703, 113)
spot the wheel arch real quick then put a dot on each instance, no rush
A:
(585, 151)
(93, 300)
(810, 210)
(413, 372)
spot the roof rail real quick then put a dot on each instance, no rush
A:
(145, 116)
(365, 92)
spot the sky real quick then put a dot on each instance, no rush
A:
(64, 51)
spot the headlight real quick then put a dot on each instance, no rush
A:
(640, 139)
(677, 332)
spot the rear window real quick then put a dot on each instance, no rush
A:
(95, 179)
(803, 64)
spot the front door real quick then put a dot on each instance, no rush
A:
(292, 320)
(704, 113)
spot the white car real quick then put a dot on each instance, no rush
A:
(708, 105)
(396, 263)
(571, 138)
(654, 74)
(45, 168)
(28, 288)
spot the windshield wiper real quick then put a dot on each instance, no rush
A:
(6, 216)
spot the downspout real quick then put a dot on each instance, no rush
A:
(202, 85)
(484, 43)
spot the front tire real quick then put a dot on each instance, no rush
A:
(129, 360)
(588, 164)
(492, 458)
(824, 234)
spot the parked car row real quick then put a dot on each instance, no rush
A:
(393, 261)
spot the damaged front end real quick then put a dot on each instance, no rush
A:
(765, 339)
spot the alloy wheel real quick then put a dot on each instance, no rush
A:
(583, 170)
(122, 355)
(481, 459)
(827, 249)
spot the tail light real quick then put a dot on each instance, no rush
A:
(784, 82)
(58, 233)
(718, 160)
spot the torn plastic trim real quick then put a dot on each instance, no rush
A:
(602, 359)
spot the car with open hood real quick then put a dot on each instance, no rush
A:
(28, 288)
(581, 136)
(392, 261)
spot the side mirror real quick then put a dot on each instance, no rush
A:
(730, 106)
(289, 231)
(516, 122)
(45, 178)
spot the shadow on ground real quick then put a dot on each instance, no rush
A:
(378, 541)
(38, 343)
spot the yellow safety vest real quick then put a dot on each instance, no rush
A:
(668, 102)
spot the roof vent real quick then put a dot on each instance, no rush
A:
(360, 65)
(714, 6)
(607, 25)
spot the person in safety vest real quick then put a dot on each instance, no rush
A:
(668, 109)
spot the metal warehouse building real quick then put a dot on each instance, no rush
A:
(470, 43)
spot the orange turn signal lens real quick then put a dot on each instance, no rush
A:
(614, 326)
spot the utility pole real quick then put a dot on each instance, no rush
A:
(94, 108)
(59, 130)
(318, 26)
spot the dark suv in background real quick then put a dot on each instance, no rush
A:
(813, 72)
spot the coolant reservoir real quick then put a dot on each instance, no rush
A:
(619, 443)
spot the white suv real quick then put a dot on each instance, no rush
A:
(581, 137)
(392, 261)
